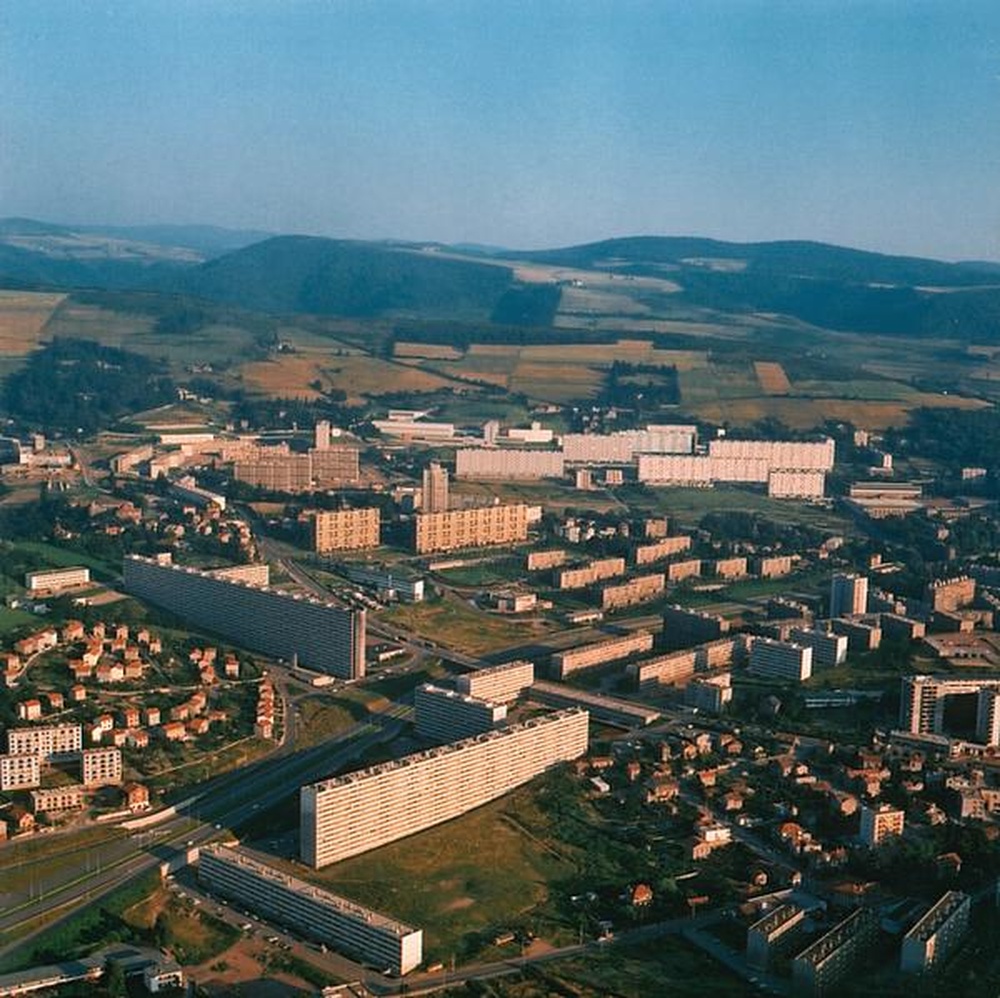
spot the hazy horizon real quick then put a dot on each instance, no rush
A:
(871, 124)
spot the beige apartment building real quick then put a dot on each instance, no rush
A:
(879, 823)
(538, 560)
(466, 528)
(587, 575)
(677, 667)
(637, 590)
(345, 529)
(588, 656)
(508, 463)
(646, 554)
(101, 767)
(678, 571)
(67, 798)
(57, 742)
(359, 811)
(499, 683)
(20, 771)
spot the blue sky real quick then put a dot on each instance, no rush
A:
(522, 123)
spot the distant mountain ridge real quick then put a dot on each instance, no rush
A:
(831, 287)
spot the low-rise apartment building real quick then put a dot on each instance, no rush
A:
(637, 590)
(599, 653)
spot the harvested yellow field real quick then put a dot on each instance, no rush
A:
(426, 351)
(803, 414)
(297, 375)
(23, 315)
(772, 377)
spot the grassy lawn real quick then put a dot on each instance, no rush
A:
(194, 936)
(320, 720)
(10, 620)
(475, 873)
(455, 624)
(51, 554)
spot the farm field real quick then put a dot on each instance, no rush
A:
(772, 377)
(23, 318)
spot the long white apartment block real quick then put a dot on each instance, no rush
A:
(829, 649)
(21, 771)
(781, 660)
(448, 715)
(343, 925)
(700, 469)
(599, 652)
(322, 636)
(623, 446)
(789, 484)
(53, 579)
(53, 742)
(788, 455)
(499, 683)
(508, 463)
(359, 811)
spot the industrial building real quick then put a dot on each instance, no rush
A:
(449, 716)
(319, 635)
(781, 660)
(343, 925)
(389, 581)
(498, 683)
(353, 813)
(599, 652)
(468, 528)
(934, 938)
(508, 463)
(345, 529)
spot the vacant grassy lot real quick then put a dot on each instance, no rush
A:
(477, 872)
(193, 935)
(428, 351)
(23, 317)
(455, 624)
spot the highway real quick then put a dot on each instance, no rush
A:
(225, 802)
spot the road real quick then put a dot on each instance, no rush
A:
(221, 804)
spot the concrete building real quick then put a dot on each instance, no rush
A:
(434, 489)
(677, 667)
(359, 811)
(255, 574)
(534, 434)
(700, 470)
(54, 580)
(879, 823)
(498, 683)
(924, 700)
(508, 464)
(414, 429)
(53, 742)
(449, 715)
(848, 595)
(821, 966)
(932, 940)
(280, 473)
(646, 554)
(712, 694)
(20, 771)
(678, 571)
(767, 933)
(896, 627)
(637, 590)
(683, 627)
(467, 528)
(781, 660)
(539, 560)
(730, 568)
(321, 636)
(101, 767)
(828, 649)
(948, 595)
(388, 581)
(988, 716)
(862, 635)
(599, 653)
(582, 576)
(772, 566)
(345, 529)
(321, 434)
(125, 462)
(780, 455)
(52, 799)
(782, 484)
(343, 925)
(624, 446)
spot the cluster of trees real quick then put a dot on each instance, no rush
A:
(640, 386)
(76, 386)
